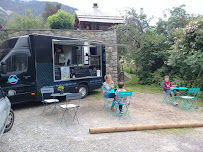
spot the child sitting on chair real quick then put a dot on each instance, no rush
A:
(122, 100)
(167, 87)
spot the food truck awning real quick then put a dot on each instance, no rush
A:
(77, 42)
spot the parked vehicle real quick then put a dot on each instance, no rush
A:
(28, 63)
(6, 114)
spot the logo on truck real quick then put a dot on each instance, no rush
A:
(13, 79)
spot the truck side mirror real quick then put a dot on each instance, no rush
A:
(3, 68)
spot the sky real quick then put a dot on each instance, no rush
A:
(153, 8)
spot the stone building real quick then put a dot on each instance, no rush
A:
(109, 38)
(96, 19)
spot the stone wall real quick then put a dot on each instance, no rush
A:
(109, 38)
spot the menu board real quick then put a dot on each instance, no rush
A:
(65, 73)
(79, 71)
(93, 72)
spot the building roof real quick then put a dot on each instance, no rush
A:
(96, 15)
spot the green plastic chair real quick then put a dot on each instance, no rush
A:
(165, 94)
(191, 99)
(126, 105)
(106, 102)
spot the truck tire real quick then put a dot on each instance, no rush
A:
(83, 89)
(10, 121)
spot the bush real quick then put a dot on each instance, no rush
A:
(157, 78)
(130, 69)
(145, 77)
(187, 55)
(150, 56)
(126, 69)
(61, 20)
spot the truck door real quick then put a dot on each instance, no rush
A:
(19, 75)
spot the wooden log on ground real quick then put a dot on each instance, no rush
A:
(143, 127)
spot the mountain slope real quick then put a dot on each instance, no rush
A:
(18, 6)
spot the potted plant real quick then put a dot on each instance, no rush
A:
(115, 86)
(61, 89)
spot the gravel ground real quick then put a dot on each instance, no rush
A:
(36, 132)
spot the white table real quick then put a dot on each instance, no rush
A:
(60, 95)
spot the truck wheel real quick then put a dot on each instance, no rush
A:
(83, 89)
(10, 121)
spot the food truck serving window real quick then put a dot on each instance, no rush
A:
(75, 60)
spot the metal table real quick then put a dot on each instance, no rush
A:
(60, 95)
(111, 91)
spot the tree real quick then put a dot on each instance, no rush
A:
(61, 20)
(150, 56)
(130, 33)
(173, 47)
(186, 57)
(178, 19)
(135, 26)
(2, 22)
(50, 9)
(26, 21)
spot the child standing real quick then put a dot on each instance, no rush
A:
(122, 100)
(167, 87)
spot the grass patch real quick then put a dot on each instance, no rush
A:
(133, 85)
(199, 103)
(172, 131)
(96, 93)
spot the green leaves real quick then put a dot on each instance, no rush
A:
(150, 55)
(26, 21)
(187, 55)
(174, 46)
(61, 20)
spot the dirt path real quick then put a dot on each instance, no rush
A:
(33, 131)
(147, 106)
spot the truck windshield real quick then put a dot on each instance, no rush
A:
(6, 47)
(3, 53)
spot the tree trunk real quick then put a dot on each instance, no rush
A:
(196, 80)
(136, 71)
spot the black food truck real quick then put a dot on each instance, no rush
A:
(30, 62)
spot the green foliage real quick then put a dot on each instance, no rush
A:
(157, 78)
(150, 56)
(126, 69)
(2, 21)
(178, 19)
(50, 9)
(61, 20)
(129, 69)
(174, 47)
(130, 33)
(134, 85)
(187, 53)
(26, 21)
(19, 6)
